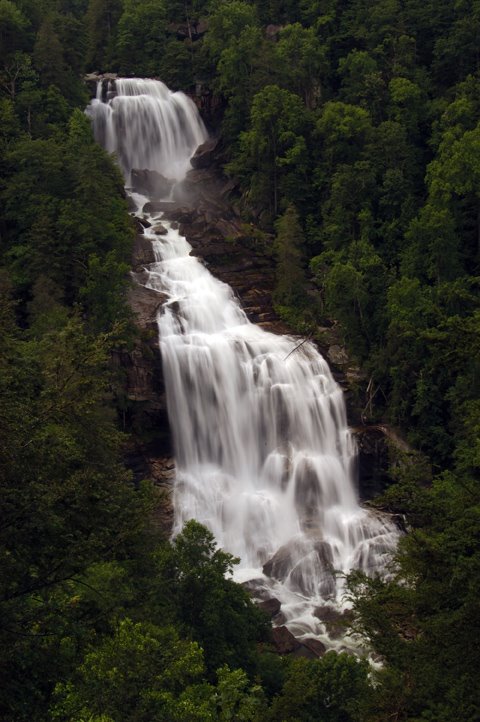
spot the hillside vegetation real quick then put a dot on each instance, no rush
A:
(352, 129)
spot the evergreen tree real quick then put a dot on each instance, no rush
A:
(289, 272)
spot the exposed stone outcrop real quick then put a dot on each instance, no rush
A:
(314, 646)
(205, 215)
(284, 641)
(291, 560)
(150, 183)
(271, 606)
(149, 454)
(205, 153)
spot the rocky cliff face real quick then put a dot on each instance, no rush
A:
(149, 454)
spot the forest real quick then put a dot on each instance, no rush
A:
(352, 132)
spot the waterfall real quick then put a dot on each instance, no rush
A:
(264, 455)
(147, 126)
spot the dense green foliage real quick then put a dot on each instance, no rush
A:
(353, 131)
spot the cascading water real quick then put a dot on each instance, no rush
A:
(147, 126)
(263, 452)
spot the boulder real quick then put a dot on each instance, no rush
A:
(145, 303)
(142, 252)
(211, 249)
(338, 355)
(150, 183)
(284, 641)
(138, 226)
(157, 206)
(315, 646)
(160, 230)
(306, 565)
(271, 606)
(204, 155)
(179, 214)
(131, 205)
(144, 223)
(310, 649)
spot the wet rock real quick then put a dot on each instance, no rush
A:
(310, 649)
(145, 303)
(284, 641)
(315, 646)
(157, 206)
(138, 226)
(161, 470)
(254, 586)
(180, 214)
(212, 249)
(160, 230)
(150, 183)
(92, 80)
(338, 355)
(306, 566)
(131, 205)
(204, 155)
(142, 253)
(304, 651)
(271, 606)
(144, 223)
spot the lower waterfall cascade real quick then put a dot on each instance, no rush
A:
(264, 456)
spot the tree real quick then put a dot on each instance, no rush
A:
(424, 621)
(48, 55)
(433, 252)
(226, 23)
(273, 153)
(362, 82)
(343, 130)
(13, 29)
(354, 283)
(102, 18)
(238, 78)
(211, 608)
(137, 674)
(289, 272)
(67, 500)
(334, 688)
(141, 37)
(300, 63)
(457, 173)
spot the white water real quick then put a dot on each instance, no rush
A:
(147, 126)
(263, 452)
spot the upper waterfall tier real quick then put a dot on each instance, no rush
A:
(147, 126)
(264, 455)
